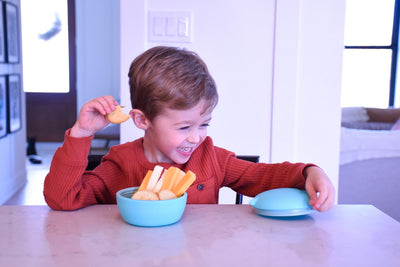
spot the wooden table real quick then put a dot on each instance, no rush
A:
(207, 235)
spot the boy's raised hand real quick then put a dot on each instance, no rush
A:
(319, 188)
(93, 116)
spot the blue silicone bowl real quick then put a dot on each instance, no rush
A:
(149, 213)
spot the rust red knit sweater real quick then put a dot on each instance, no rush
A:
(69, 186)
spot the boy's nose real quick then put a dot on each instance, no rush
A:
(194, 137)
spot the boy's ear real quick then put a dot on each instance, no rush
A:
(139, 119)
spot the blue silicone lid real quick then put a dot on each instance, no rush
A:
(282, 202)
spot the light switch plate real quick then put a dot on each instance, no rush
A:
(170, 26)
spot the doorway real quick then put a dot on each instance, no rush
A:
(49, 113)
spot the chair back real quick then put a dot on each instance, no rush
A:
(255, 159)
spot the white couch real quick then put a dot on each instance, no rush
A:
(369, 170)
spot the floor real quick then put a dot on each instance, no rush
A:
(32, 191)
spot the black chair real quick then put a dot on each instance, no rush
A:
(94, 161)
(109, 133)
(255, 159)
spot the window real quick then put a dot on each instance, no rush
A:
(370, 55)
(44, 27)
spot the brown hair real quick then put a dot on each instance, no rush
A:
(170, 77)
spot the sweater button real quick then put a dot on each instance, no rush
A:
(200, 187)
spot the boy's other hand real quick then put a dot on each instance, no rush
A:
(93, 116)
(319, 188)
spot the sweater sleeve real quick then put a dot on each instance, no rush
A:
(68, 185)
(250, 178)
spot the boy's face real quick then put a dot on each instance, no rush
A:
(173, 135)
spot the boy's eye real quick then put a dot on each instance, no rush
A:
(188, 127)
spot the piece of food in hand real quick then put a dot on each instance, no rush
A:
(118, 116)
(184, 183)
(166, 194)
(145, 195)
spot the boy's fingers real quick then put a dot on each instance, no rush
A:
(313, 197)
(104, 104)
(320, 200)
(112, 103)
(329, 202)
(317, 199)
(325, 200)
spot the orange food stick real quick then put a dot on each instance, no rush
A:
(180, 176)
(170, 178)
(184, 183)
(145, 181)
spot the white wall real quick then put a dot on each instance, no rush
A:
(277, 65)
(97, 49)
(307, 83)
(239, 56)
(238, 51)
(13, 147)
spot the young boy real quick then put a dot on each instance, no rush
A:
(173, 96)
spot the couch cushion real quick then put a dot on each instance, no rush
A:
(390, 115)
(354, 114)
(368, 125)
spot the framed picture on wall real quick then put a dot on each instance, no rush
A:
(3, 106)
(2, 35)
(14, 102)
(11, 32)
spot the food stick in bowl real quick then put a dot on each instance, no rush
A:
(145, 181)
(157, 171)
(157, 188)
(184, 183)
(160, 185)
(170, 178)
(180, 176)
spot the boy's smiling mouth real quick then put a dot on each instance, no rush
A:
(186, 150)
